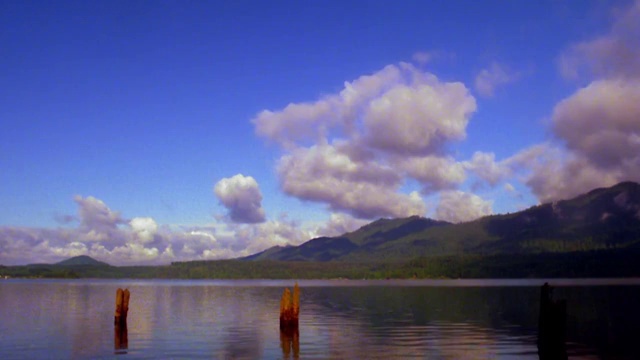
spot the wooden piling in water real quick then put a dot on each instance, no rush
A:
(125, 303)
(290, 308)
(122, 307)
(552, 324)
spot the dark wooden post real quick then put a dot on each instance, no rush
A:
(125, 304)
(552, 324)
(289, 315)
(290, 308)
(121, 336)
(122, 306)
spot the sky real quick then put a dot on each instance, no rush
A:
(146, 132)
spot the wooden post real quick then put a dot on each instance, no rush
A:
(552, 323)
(289, 314)
(119, 298)
(120, 333)
(296, 302)
(122, 306)
(125, 304)
(290, 308)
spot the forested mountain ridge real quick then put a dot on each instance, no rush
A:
(605, 218)
(596, 234)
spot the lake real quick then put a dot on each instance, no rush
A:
(339, 319)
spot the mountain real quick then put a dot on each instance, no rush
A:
(265, 254)
(606, 218)
(82, 260)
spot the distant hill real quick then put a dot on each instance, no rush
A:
(82, 260)
(607, 218)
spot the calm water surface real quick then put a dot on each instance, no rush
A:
(454, 319)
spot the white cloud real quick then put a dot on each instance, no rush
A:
(485, 167)
(598, 124)
(250, 239)
(365, 190)
(295, 121)
(146, 243)
(426, 57)
(602, 123)
(414, 106)
(418, 119)
(312, 120)
(97, 219)
(340, 224)
(434, 172)
(422, 57)
(71, 249)
(242, 197)
(553, 174)
(359, 145)
(613, 55)
(458, 206)
(493, 77)
(144, 228)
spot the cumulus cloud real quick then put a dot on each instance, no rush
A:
(485, 167)
(551, 172)
(491, 78)
(312, 120)
(602, 123)
(597, 127)
(457, 206)
(418, 119)
(434, 172)
(365, 190)
(554, 174)
(242, 197)
(142, 241)
(102, 233)
(339, 224)
(352, 150)
(251, 239)
(615, 54)
(144, 228)
(437, 109)
(96, 218)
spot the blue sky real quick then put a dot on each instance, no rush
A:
(156, 131)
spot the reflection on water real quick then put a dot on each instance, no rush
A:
(290, 343)
(120, 338)
(240, 320)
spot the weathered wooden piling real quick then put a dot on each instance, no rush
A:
(290, 308)
(122, 306)
(552, 325)
(120, 333)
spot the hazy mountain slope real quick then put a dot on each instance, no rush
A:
(266, 254)
(319, 249)
(602, 218)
